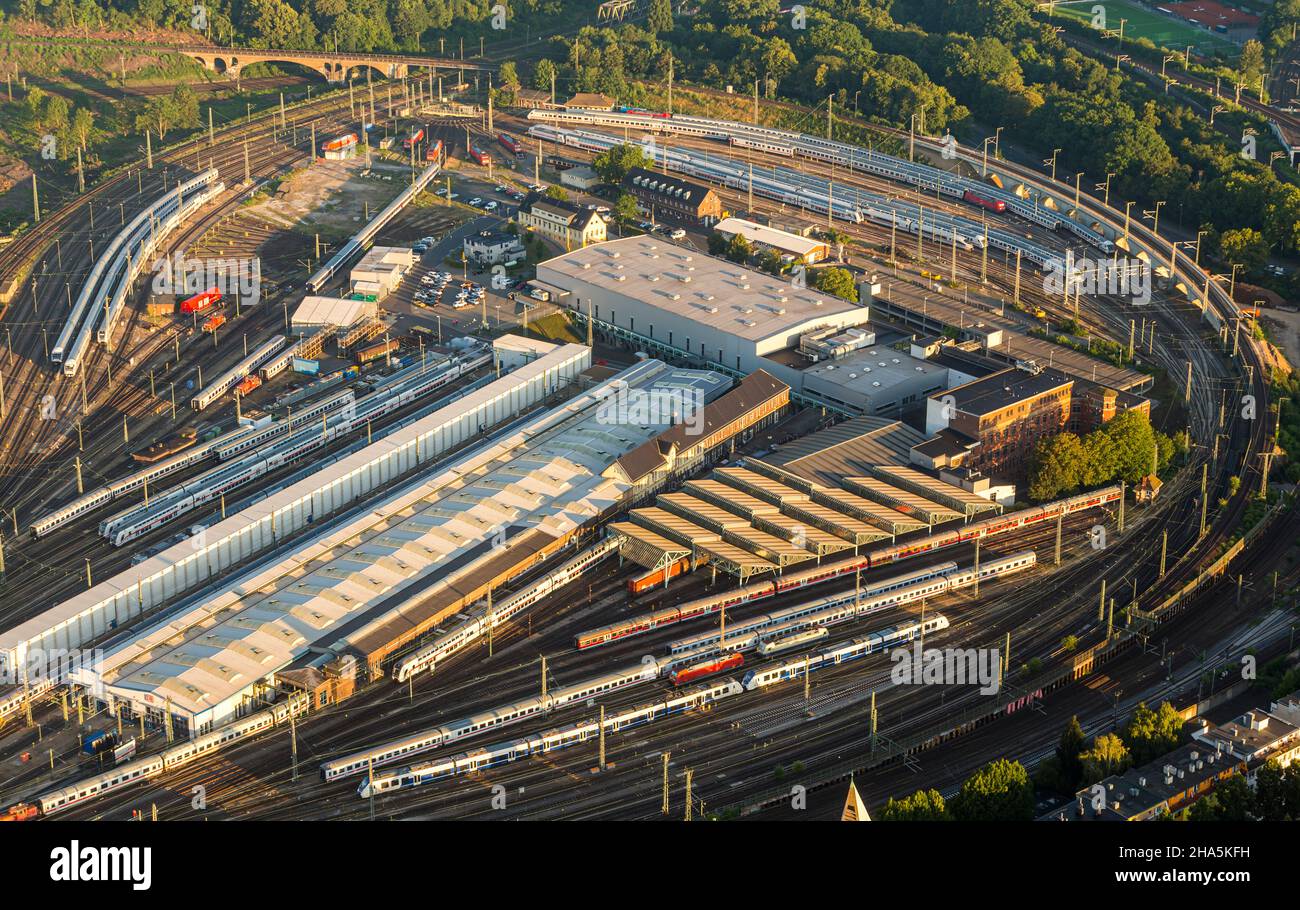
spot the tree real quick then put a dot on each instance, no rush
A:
(1246, 246)
(1231, 800)
(1107, 756)
(840, 240)
(1132, 442)
(1150, 734)
(778, 60)
(659, 19)
(1251, 64)
(625, 208)
(838, 282)
(1068, 752)
(555, 191)
(999, 791)
(543, 74)
(1056, 466)
(770, 261)
(613, 164)
(83, 123)
(921, 806)
(509, 75)
(1277, 792)
(738, 249)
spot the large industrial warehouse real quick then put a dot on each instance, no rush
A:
(678, 300)
(369, 583)
(257, 529)
(667, 300)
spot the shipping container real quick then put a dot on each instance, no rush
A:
(201, 302)
(376, 351)
(96, 743)
(308, 367)
(655, 578)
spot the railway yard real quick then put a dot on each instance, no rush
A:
(382, 567)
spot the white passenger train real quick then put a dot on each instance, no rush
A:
(136, 481)
(344, 401)
(142, 768)
(489, 720)
(476, 625)
(788, 144)
(134, 523)
(112, 257)
(236, 374)
(860, 647)
(837, 608)
(548, 741)
(649, 668)
(775, 644)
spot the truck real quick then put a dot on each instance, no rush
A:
(200, 302)
(214, 322)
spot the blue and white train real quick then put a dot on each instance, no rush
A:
(874, 643)
(548, 741)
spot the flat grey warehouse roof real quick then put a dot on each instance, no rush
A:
(740, 301)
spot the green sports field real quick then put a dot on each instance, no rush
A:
(1162, 30)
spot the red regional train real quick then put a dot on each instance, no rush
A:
(988, 527)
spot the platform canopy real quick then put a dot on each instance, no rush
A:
(646, 548)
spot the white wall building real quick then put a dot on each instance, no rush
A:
(713, 309)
